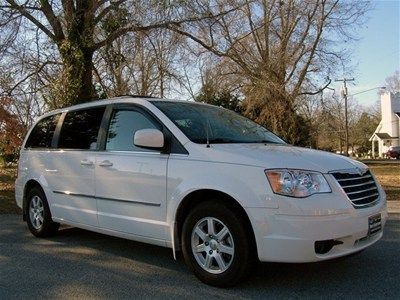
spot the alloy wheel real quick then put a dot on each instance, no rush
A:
(36, 212)
(212, 245)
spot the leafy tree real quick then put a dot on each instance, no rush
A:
(362, 131)
(215, 90)
(12, 131)
(222, 98)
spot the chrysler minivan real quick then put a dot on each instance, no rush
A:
(196, 178)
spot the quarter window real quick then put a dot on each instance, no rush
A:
(80, 129)
(123, 125)
(42, 134)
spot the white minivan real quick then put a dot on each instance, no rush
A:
(196, 178)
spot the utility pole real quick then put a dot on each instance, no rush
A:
(345, 80)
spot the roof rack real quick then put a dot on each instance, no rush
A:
(137, 96)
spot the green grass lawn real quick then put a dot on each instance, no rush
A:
(388, 175)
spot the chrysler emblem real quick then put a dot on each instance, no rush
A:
(361, 171)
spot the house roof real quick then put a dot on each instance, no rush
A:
(384, 136)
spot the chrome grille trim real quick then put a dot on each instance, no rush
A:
(355, 185)
(361, 189)
(366, 205)
(365, 197)
(357, 192)
(362, 177)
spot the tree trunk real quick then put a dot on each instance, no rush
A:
(77, 54)
(75, 84)
(86, 91)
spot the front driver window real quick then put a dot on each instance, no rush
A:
(123, 125)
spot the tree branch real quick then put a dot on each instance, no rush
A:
(9, 92)
(22, 10)
(166, 24)
(314, 47)
(53, 20)
(106, 10)
(318, 91)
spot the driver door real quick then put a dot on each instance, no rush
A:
(130, 182)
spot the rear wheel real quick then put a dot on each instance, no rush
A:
(38, 214)
(216, 245)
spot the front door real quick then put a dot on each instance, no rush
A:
(130, 181)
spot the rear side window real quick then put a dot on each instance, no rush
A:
(42, 134)
(80, 129)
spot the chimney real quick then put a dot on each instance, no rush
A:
(390, 103)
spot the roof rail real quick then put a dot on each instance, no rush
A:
(137, 96)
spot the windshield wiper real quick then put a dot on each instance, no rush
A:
(222, 141)
(214, 141)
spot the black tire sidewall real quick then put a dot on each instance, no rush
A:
(49, 227)
(242, 244)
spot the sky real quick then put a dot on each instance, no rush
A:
(377, 54)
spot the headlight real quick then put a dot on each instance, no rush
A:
(297, 183)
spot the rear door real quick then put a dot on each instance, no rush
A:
(73, 166)
(37, 159)
(131, 181)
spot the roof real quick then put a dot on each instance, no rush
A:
(384, 136)
(120, 99)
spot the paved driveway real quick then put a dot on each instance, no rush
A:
(81, 264)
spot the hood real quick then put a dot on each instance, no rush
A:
(272, 156)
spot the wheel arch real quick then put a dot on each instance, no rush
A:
(28, 186)
(196, 197)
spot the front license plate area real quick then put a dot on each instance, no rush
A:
(374, 224)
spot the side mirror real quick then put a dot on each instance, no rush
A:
(149, 138)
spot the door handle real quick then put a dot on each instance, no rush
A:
(106, 163)
(86, 162)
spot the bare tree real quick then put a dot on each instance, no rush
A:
(140, 64)
(329, 128)
(280, 49)
(392, 83)
(74, 28)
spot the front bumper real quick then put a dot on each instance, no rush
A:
(291, 237)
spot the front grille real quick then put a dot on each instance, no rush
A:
(361, 189)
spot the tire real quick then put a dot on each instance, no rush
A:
(225, 257)
(38, 214)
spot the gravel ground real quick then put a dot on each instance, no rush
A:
(80, 264)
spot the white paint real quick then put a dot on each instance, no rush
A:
(136, 195)
(151, 138)
(389, 124)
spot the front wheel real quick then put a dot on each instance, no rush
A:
(216, 245)
(39, 219)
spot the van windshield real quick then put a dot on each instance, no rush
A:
(202, 123)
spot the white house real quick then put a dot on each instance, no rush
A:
(387, 132)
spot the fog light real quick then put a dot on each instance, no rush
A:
(323, 247)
